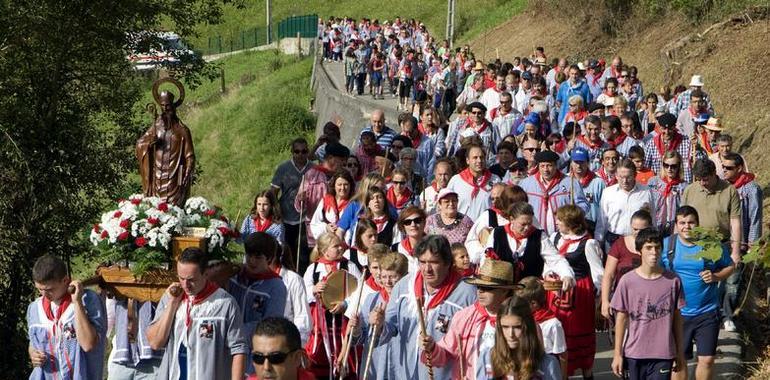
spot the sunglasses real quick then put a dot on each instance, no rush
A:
(670, 166)
(477, 113)
(409, 222)
(274, 357)
(725, 167)
(573, 105)
(532, 149)
(400, 183)
(304, 151)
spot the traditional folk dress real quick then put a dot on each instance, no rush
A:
(328, 211)
(492, 218)
(51, 329)
(473, 194)
(259, 297)
(531, 254)
(402, 323)
(326, 338)
(206, 333)
(576, 308)
(546, 198)
(473, 328)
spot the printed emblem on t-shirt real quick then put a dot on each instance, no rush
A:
(442, 323)
(68, 331)
(206, 330)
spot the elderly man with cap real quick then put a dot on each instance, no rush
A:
(549, 189)
(504, 118)
(517, 171)
(478, 124)
(590, 183)
(594, 78)
(383, 134)
(682, 101)
(314, 183)
(474, 184)
(668, 139)
(471, 335)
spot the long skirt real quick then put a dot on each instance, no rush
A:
(576, 310)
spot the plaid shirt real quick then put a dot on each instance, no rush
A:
(654, 159)
(682, 101)
(751, 211)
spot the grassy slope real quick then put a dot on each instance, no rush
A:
(472, 16)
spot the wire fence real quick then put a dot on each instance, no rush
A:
(240, 40)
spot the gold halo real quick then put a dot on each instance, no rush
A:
(173, 81)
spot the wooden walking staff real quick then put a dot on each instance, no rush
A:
(428, 355)
(387, 150)
(461, 356)
(301, 221)
(373, 334)
(349, 332)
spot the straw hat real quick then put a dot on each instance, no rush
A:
(494, 274)
(479, 66)
(714, 124)
(539, 61)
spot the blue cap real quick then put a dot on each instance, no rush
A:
(533, 118)
(701, 118)
(526, 75)
(579, 155)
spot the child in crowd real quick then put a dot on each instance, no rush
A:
(647, 301)
(462, 260)
(643, 173)
(554, 341)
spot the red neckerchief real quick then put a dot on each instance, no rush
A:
(467, 176)
(497, 211)
(330, 203)
(543, 314)
(208, 290)
(565, 243)
(704, 142)
(407, 246)
(532, 170)
(259, 226)
(66, 300)
(515, 236)
(560, 146)
(485, 317)
(378, 288)
(415, 140)
(672, 145)
(421, 128)
(614, 73)
(608, 95)
(267, 275)
(670, 183)
(477, 128)
(324, 169)
(590, 144)
(397, 201)
(604, 176)
(587, 178)
(575, 116)
(380, 222)
(467, 272)
(444, 290)
(618, 140)
(557, 177)
(595, 79)
(743, 179)
(434, 185)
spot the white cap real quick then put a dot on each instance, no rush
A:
(696, 81)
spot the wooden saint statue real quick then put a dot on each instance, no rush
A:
(165, 152)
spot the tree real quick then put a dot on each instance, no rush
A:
(68, 123)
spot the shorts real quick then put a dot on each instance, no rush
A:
(649, 369)
(704, 331)
(376, 78)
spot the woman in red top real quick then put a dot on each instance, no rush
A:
(622, 258)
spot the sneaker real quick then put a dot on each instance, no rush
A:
(729, 326)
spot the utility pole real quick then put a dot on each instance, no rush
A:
(269, 22)
(450, 22)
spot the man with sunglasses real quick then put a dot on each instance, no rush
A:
(277, 351)
(286, 180)
(529, 148)
(504, 118)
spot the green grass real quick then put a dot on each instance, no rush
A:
(472, 17)
(241, 137)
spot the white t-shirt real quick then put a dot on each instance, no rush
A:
(553, 337)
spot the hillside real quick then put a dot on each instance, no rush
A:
(730, 57)
(472, 16)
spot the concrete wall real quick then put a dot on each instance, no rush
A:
(289, 45)
(331, 104)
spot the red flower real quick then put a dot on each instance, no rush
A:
(140, 241)
(136, 201)
(152, 221)
(123, 235)
(225, 231)
(124, 223)
(163, 207)
(210, 212)
(97, 228)
(117, 214)
(491, 254)
(121, 200)
(104, 234)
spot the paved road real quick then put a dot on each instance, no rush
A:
(729, 359)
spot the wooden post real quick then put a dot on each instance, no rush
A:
(268, 13)
(299, 45)
(222, 87)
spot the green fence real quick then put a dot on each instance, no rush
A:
(306, 25)
(238, 40)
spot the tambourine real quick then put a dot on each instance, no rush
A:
(339, 285)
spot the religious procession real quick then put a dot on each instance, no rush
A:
(512, 210)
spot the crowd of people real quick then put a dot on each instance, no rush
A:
(511, 207)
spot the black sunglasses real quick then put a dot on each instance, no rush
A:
(399, 182)
(725, 167)
(409, 222)
(304, 151)
(531, 149)
(274, 357)
(671, 166)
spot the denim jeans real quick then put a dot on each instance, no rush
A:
(729, 290)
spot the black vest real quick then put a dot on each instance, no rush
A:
(317, 275)
(492, 218)
(529, 264)
(577, 259)
(354, 260)
(386, 236)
